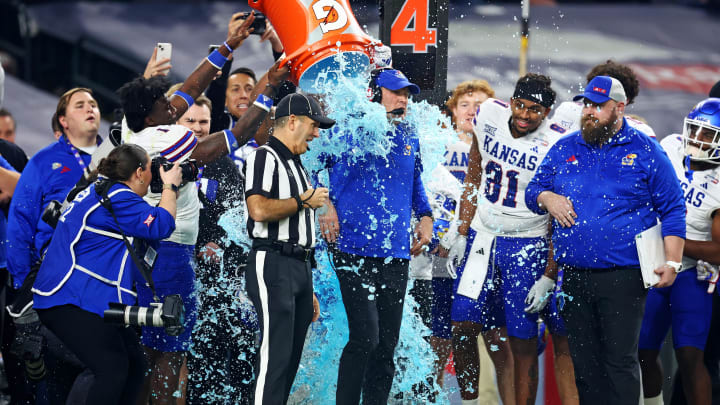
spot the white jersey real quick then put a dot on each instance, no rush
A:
(702, 194)
(567, 115)
(456, 159)
(176, 143)
(444, 191)
(508, 165)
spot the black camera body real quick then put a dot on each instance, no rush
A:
(52, 213)
(169, 315)
(189, 170)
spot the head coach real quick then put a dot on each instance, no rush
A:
(603, 185)
(281, 204)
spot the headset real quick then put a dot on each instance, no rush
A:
(374, 92)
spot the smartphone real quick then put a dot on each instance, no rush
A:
(164, 51)
(259, 23)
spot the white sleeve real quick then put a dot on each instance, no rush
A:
(174, 142)
(181, 143)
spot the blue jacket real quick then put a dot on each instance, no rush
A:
(375, 197)
(49, 175)
(617, 191)
(87, 263)
(3, 220)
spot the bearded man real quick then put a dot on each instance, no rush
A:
(602, 186)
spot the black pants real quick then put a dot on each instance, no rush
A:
(112, 352)
(373, 296)
(603, 321)
(281, 290)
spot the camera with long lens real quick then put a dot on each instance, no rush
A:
(189, 172)
(169, 315)
(29, 345)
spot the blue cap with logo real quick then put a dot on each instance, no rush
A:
(603, 88)
(393, 79)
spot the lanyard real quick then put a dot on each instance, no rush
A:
(79, 158)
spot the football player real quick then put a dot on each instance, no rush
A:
(687, 304)
(504, 245)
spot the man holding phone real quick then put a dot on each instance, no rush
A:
(148, 118)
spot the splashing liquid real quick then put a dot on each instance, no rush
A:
(345, 95)
(347, 103)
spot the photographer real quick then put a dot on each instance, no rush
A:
(148, 122)
(88, 268)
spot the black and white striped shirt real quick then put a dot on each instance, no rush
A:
(272, 171)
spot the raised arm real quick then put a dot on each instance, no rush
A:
(201, 77)
(219, 144)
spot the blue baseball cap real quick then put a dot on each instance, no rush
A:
(603, 88)
(393, 79)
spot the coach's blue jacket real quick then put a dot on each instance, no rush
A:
(49, 175)
(375, 196)
(617, 190)
(87, 263)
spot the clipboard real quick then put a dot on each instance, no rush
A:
(651, 253)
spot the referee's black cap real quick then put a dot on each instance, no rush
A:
(300, 104)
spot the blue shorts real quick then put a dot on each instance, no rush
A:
(685, 305)
(442, 302)
(173, 274)
(515, 265)
(551, 312)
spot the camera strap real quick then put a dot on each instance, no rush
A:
(102, 187)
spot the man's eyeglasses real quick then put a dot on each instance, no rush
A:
(536, 110)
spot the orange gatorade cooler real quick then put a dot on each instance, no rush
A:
(313, 32)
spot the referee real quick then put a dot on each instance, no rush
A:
(281, 204)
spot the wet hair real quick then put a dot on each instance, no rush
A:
(64, 101)
(138, 97)
(622, 73)
(122, 162)
(533, 84)
(469, 86)
(245, 71)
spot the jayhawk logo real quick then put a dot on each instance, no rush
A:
(629, 159)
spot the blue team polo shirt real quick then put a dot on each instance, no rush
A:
(617, 190)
